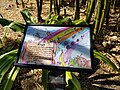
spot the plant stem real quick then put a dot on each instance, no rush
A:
(77, 10)
(56, 7)
(91, 6)
(50, 6)
(97, 17)
(39, 9)
(104, 13)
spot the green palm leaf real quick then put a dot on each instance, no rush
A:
(27, 16)
(106, 60)
(6, 60)
(7, 84)
(17, 27)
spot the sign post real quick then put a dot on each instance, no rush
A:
(58, 48)
(56, 80)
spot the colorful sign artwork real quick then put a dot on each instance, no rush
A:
(66, 46)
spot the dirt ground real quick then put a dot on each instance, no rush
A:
(104, 77)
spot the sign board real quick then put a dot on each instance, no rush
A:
(63, 47)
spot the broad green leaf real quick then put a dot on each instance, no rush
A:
(17, 27)
(3, 55)
(5, 22)
(106, 60)
(5, 68)
(7, 84)
(6, 61)
(27, 16)
(72, 81)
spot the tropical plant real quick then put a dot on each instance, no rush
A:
(8, 56)
(6, 61)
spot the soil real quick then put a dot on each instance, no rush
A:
(108, 43)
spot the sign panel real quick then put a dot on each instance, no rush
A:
(52, 46)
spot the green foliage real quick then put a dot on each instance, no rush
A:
(7, 56)
(106, 60)
(65, 20)
(4, 22)
(6, 60)
(17, 27)
(8, 82)
(28, 16)
(72, 81)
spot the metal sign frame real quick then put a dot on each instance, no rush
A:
(72, 42)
